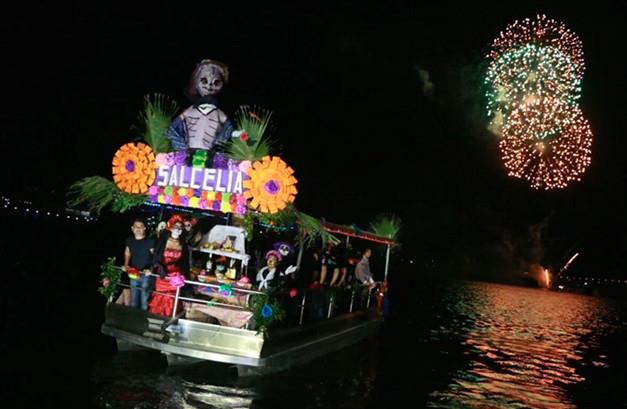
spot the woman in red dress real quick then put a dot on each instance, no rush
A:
(172, 260)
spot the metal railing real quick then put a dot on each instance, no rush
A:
(177, 296)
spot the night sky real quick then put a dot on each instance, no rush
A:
(364, 133)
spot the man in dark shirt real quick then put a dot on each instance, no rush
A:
(137, 263)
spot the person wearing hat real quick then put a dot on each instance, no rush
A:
(270, 276)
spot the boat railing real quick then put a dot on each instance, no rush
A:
(332, 304)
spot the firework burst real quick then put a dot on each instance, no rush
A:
(534, 83)
(552, 161)
(527, 74)
(541, 32)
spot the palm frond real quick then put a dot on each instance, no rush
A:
(95, 192)
(310, 230)
(386, 225)
(124, 201)
(157, 115)
(254, 123)
(240, 150)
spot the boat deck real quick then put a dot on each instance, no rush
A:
(252, 354)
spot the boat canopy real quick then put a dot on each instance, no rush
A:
(354, 231)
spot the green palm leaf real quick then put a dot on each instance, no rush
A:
(157, 116)
(386, 225)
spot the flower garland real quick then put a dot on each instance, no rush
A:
(111, 273)
(265, 311)
(272, 185)
(134, 167)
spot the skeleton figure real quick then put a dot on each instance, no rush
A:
(203, 124)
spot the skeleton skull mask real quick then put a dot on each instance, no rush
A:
(283, 248)
(208, 79)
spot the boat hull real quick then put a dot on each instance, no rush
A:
(187, 341)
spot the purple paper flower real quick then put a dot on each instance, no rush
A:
(220, 161)
(271, 187)
(233, 165)
(184, 201)
(129, 165)
(178, 158)
(216, 205)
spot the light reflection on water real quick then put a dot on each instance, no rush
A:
(142, 380)
(470, 345)
(524, 346)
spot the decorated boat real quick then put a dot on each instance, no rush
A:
(235, 275)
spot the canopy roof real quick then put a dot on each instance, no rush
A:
(354, 231)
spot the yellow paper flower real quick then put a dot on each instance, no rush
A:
(134, 167)
(271, 186)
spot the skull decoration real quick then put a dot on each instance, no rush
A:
(208, 79)
(285, 249)
(203, 125)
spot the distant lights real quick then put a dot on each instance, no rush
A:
(26, 207)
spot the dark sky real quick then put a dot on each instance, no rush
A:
(349, 109)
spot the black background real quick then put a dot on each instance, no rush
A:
(351, 118)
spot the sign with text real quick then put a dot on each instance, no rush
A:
(198, 187)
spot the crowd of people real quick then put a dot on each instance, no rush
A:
(166, 253)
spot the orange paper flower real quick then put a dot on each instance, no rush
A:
(271, 186)
(134, 167)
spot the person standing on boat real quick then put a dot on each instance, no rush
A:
(364, 276)
(171, 260)
(137, 262)
(341, 258)
(362, 271)
(328, 262)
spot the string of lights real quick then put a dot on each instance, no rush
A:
(351, 232)
(29, 208)
(596, 280)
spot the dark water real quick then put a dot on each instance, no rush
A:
(482, 346)
(447, 345)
